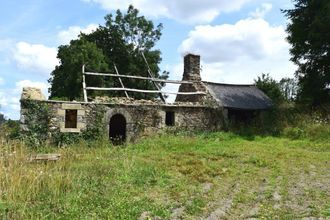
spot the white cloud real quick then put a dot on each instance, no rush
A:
(35, 57)
(198, 11)
(65, 36)
(261, 12)
(9, 98)
(28, 83)
(2, 81)
(253, 38)
(240, 52)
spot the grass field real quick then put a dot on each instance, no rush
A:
(207, 176)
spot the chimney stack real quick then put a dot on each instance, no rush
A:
(191, 73)
(192, 67)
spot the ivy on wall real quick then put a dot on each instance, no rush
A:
(96, 127)
(36, 122)
(37, 118)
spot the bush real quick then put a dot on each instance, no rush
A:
(293, 122)
(294, 133)
(10, 129)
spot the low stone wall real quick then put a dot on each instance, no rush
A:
(140, 119)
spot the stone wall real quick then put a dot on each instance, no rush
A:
(141, 120)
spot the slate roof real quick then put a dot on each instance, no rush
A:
(247, 97)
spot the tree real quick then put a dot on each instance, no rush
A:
(2, 119)
(309, 35)
(66, 79)
(289, 88)
(121, 42)
(270, 87)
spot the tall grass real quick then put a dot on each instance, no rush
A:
(159, 175)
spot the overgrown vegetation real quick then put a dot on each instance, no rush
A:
(36, 123)
(222, 175)
(287, 115)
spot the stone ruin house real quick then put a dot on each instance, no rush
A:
(199, 105)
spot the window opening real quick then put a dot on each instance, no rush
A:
(71, 117)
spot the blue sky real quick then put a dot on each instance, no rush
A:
(237, 40)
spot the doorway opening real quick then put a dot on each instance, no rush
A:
(170, 119)
(117, 129)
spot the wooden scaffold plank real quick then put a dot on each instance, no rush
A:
(140, 77)
(144, 91)
(121, 82)
(153, 77)
(84, 84)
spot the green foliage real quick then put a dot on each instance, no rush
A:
(10, 130)
(2, 118)
(36, 122)
(294, 133)
(289, 121)
(66, 80)
(270, 87)
(13, 129)
(289, 88)
(119, 42)
(64, 139)
(309, 36)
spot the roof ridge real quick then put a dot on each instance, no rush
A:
(229, 84)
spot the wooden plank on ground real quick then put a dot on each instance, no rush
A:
(44, 157)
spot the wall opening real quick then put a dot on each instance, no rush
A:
(71, 117)
(170, 119)
(241, 116)
(117, 129)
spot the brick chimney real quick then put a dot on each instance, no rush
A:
(192, 67)
(191, 73)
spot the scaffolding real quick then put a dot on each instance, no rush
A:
(151, 78)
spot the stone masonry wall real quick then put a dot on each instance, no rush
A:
(141, 119)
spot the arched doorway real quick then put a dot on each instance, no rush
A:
(117, 129)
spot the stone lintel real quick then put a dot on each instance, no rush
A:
(71, 106)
